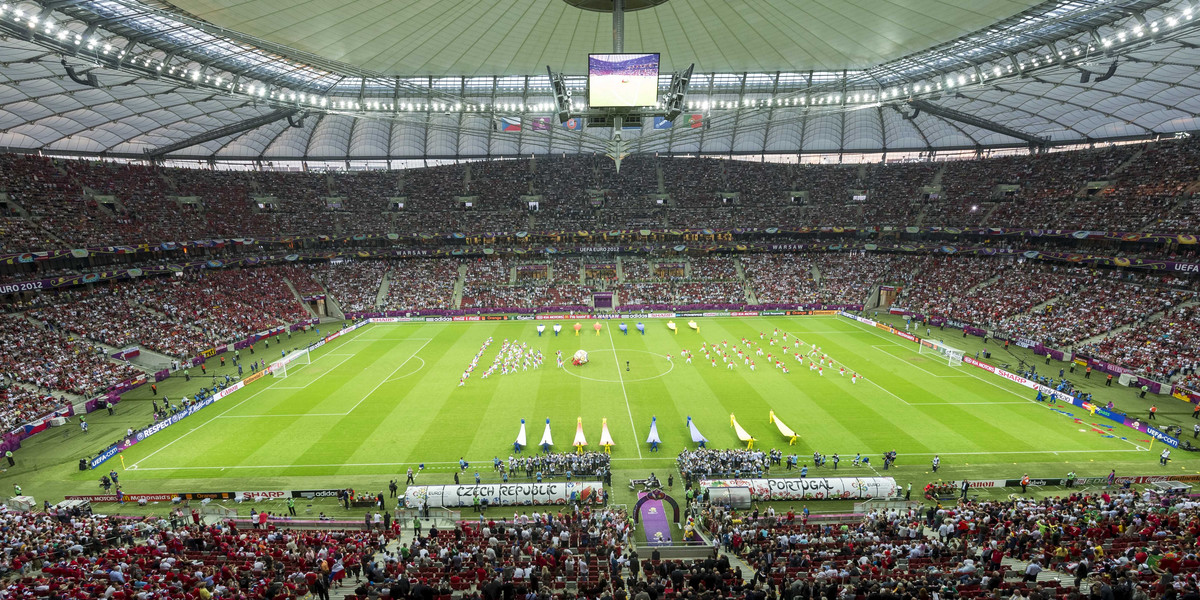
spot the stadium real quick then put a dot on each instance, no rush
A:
(600, 299)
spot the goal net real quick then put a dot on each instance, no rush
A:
(954, 356)
(291, 361)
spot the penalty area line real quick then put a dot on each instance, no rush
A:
(214, 419)
(389, 376)
(873, 331)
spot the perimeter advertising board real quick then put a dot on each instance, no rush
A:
(815, 488)
(503, 494)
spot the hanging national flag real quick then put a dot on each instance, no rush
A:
(510, 124)
(574, 124)
(541, 123)
(662, 123)
(696, 121)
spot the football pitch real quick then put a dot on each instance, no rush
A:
(386, 397)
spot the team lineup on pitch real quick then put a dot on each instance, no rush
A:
(387, 396)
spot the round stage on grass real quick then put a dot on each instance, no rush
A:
(603, 364)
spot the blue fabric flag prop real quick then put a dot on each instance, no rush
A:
(641, 328)
(624, 329)
(517, 445)
(697, 437)
(653, 438)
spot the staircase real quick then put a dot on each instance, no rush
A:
(921, 215)
(751, 297)
(333, 308)
(168, 180)
(382, 294)
(456, 298)
(1150, 223)
(983, 283)
(662, 186)
(937, 177)
(620, 271)
(872, 299)
(1149, 319)
(300, 299)
(1125, 165)
(13, 206)
(988, 214)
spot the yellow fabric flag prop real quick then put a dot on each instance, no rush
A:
(741, 433)
(784, 429)
(671, 326)
(694, 325)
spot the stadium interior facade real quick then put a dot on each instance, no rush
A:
(184, 180)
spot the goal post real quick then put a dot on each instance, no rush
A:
(291, 361)
(954, 356)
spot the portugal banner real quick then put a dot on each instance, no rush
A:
(841, 488)
(503, 494)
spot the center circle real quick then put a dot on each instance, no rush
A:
(671, 366)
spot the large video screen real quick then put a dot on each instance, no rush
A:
(616, 80)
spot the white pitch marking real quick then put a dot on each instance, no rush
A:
(247, 399)
(398, 378)
(388, 378)
(993, 384)
(931, 373)
(330, 370)
(621, 379)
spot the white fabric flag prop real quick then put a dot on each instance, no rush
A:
(546, 439)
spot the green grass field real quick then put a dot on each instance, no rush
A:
(386, 397)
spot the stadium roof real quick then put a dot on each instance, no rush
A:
(278, 80)
(522, 37)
